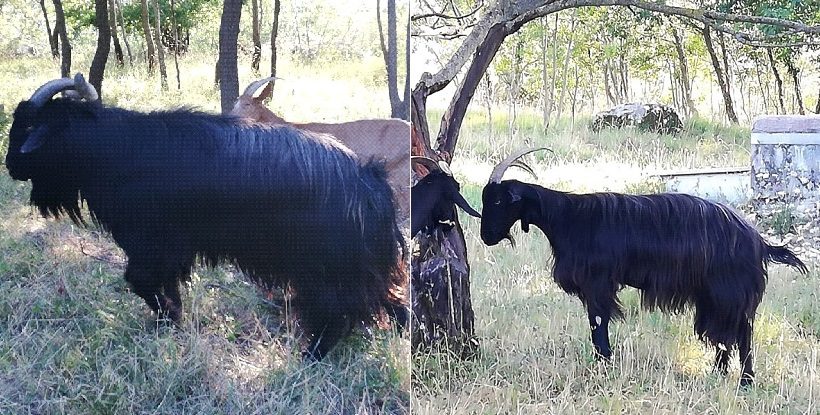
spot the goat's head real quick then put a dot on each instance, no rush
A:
(36, 119)
(503, 201)
(253, 107)
(434, 197)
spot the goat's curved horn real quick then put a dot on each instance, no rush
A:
(511, 160)
(49, 89)
(432, 164)
(85, 89)
(251, 89)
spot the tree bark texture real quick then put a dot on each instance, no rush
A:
(163, 74)
(257, 42)
(65, 45)
(227, 69)
(721, 80)
(97, 71)
(149, 39)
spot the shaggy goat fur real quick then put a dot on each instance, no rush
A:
(677, 249)
(286, 206)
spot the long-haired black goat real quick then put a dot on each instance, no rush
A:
(434, 198)
(677, 249)
(287, 207)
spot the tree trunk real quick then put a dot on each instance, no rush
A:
(273, 35)
(565, 72)
(124, 35)
(51, 35)
(390, 52)
(777, 80)
(65, 46)
(227, 69)
(149, 39)
(794, 73)
(722, 83)
(97, 71)
(112, 23)
(163, 74)
(817, 106)
(176, 42)
(685, 82)
(257, 42)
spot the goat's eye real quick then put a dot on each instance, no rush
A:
(497, 202)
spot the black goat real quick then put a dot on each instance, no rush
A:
(434, 198)
(677, 249)
(287, 207)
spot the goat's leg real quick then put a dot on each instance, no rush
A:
(173, 304)
(745, 346)
(146, 283)
(599, 324)
(721, 359)
(321, 315)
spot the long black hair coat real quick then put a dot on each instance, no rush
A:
(286, 206)
(677, 249)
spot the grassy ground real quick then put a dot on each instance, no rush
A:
(73, 339)
(535, 353)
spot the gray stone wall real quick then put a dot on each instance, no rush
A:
(786, 165)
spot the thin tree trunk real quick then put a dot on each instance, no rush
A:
(176, 42)
(545, 120)
(226, 66)
(273, 34)
(124, 34)
(257, 42)
(390, 53)
(722, 83)
(97, 71)
(65, 46)
(794, 72)
(817, 106)
(112, 23)
(685, 82)
(149, 39)
(51, 35)
(764, 88)
(777, 80)
(566, 64)
(163, 74)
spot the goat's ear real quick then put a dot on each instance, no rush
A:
(514, 195)
(35, 139)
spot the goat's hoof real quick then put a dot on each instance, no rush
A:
(746, 381)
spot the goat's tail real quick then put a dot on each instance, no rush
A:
(384, 244)
(782, 255)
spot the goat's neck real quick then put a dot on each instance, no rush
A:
(544, 208)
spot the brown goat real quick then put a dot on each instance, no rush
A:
(381, 139)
